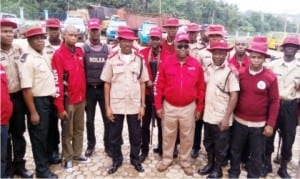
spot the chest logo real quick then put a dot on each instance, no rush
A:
(261, 85)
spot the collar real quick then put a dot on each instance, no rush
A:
(253, 73)
(174, 61)
(33, 52)
(67, 52)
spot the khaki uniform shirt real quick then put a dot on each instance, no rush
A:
(288, 78)
(205, 58)
(50, 49)
(125, 93)
(9, 62)
(36, 73)
(217, 92)
(195, 50)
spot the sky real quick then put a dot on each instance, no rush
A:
(268, 6)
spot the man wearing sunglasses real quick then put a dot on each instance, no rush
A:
(177, 108)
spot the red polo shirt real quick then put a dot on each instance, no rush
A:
(64, 61)
(180, 84)
(245, 64)
(6, 104)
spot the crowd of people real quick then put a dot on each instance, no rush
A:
(239, 97)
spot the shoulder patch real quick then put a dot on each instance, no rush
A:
(23, 57)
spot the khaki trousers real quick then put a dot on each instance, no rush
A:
(182, 119)
(73, 140)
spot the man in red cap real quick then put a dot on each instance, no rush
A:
(177, 108)
(215, 33)
(5, 113)
(95, 56)
(152, 57)
(287, 70)
(9, 55)
(52, 44)
(255, 113)
(125, 76)
(36, 74)
(193, 30)
(168, 47)
(68, 69)
(222, 88)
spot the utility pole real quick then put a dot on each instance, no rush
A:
(159, 6)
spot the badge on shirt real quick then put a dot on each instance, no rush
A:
(261, 85)
(191, 68)
(23, 57)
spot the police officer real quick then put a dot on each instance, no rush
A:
(52, 44)
(36, 74)
(95, 55)
(152, 57)
(68, 62)
(125, 75)
(9, 55)
(287, 70)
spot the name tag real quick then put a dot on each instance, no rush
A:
(96, 60)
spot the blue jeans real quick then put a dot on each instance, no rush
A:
(4, 138)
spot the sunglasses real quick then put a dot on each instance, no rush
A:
(185, 46)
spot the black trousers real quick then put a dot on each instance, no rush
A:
(96, 94)
(53, 133)
(16, 146)
(149, 111)
(38, 133)
(198, 135)
(287, 124)
(241, 136)
(216, 142)
(135, 135)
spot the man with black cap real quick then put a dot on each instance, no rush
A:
(177, 109)
(125, 76)
(287, 70)
(95, 56)
(36, 74)
(9, 55)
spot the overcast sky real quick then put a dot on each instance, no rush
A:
(268, 6)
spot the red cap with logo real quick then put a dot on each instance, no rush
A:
(193, 27)
(259, 48)
(215, 30)
(171, 22)
(8, 23)
(53, 22)
(182, 36)
(94, 24)
(127, 34)
(155, 32)
(33, 32)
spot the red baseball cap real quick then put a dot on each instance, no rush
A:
(182, 36)
(8, 23)
(171, 22)
(94, 24)
(155, 32)
(220, 46)
(259, 48)
(127, 34)
(291, 41)
(33, 32)
(53, 22)
(215, 30)
(193, 27)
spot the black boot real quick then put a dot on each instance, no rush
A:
(216, 172)
(210, 165)
(282, 172)
(267, 166)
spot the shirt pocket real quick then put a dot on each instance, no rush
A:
(118, 73)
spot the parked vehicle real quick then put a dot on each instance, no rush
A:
(112, 27)
(79, 24)
(275, 39)
(20, 23)
(143, 32)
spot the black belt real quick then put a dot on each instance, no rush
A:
(95, 85)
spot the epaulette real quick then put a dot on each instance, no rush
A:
(112, 54)
(23, 57)
(136, 53)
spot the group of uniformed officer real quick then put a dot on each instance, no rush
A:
(164, 82)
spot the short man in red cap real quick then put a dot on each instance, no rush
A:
(5, 113)
(9, 55)
(177, 108)
(255, 113)
(152, 57)
(222, 88)
(70, 101)
(95, 56)
(168, 47)
(287, 70)
(240, 58)
(125, 76)
(215, 33)
(52, 44)
(36, 74)
(193, 30)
